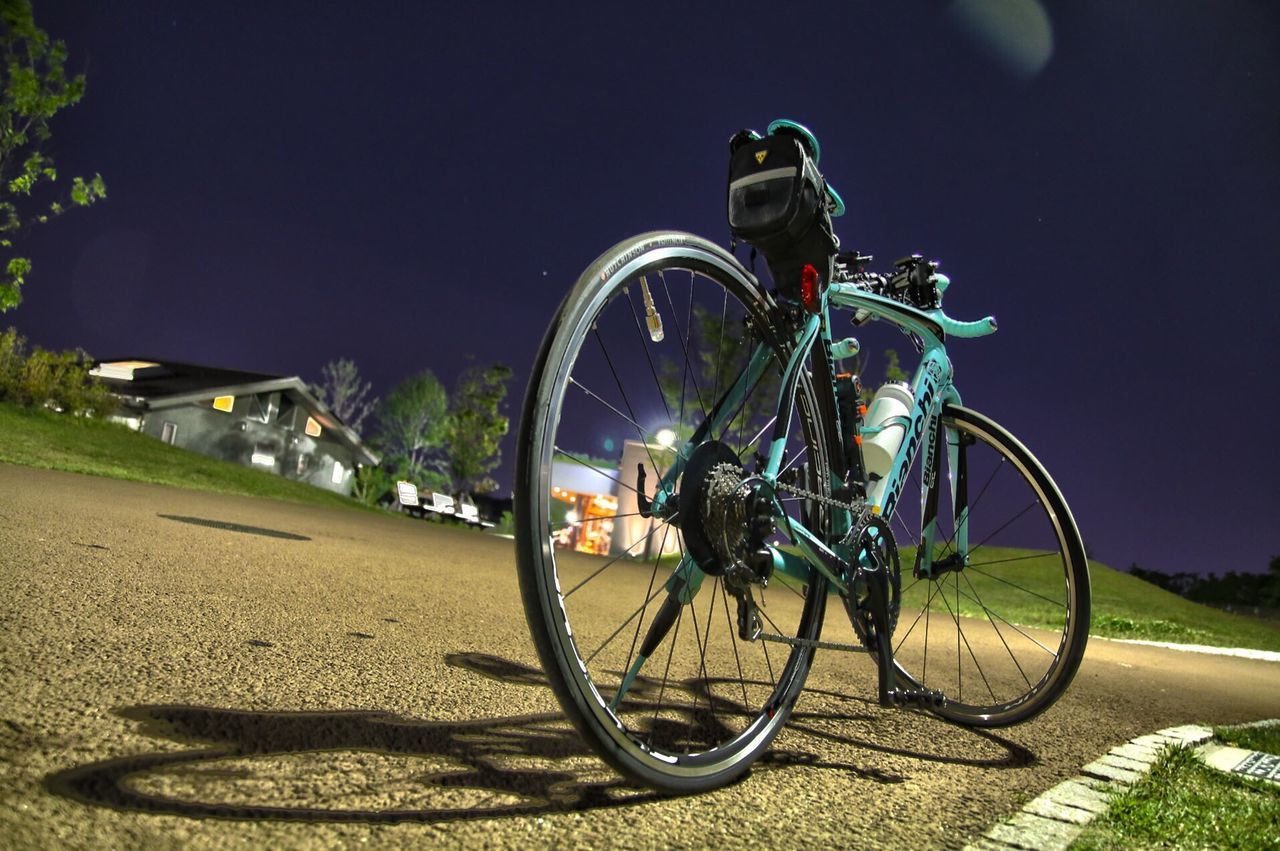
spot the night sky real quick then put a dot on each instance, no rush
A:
(415, 185)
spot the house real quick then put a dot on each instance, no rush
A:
(267, 422)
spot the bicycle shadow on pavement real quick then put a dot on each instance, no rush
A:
(387, 768)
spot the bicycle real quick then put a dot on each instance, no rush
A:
(677, 599)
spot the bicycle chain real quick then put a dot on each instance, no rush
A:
(811, 642)
(798, 491)
(805, 642)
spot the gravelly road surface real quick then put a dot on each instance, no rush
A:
(180, 669)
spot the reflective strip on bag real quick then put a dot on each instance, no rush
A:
(760, 177)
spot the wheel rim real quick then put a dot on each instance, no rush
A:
(998, 637)
(705, 700)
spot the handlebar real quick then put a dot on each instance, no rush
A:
(957, 328)
(915, 284)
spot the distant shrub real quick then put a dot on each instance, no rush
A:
(506, 525)
(1152, 629)
(12, 358)
(57, 380)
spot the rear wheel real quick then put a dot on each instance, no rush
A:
(632, 615)
(1003, 634)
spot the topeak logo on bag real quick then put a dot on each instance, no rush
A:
(760, 155)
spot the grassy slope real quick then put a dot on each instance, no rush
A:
(1123, 607)
(56, 442)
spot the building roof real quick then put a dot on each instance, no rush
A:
(154, 385)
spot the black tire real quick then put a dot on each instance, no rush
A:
(707, 703)
(1003, 637)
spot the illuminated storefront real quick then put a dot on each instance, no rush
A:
(592, 513)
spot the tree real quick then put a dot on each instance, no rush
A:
(341, 389)
(33, 88)
(893, 371)
(371, 483)
(716, 357)
(413, 425)
(476, 427)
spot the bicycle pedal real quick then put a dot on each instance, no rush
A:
(906, 698)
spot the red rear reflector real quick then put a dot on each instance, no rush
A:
(810, 294)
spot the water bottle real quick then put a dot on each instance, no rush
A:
(893, 400)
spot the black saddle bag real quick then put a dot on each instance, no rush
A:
(777, 203)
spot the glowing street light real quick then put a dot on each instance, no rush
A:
(666, 438)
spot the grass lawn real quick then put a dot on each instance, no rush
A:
(1123, 605)
(1265, 739)
(1183, 803)
(36, 438)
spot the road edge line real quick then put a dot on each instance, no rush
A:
(1238, 652)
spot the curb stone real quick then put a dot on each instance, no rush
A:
(1052, 821)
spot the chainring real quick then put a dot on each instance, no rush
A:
(873, 547)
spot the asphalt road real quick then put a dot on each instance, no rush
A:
(180, 669)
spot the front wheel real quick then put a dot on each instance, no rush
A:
(1000, 625)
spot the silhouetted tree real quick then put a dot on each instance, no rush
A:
(33, 88)
(343, 391)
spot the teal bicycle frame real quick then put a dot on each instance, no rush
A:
(931, 388)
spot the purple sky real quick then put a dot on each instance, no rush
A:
(413, 185)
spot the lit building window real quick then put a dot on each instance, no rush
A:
(224, 403)
(262, 455)
(169, 433)
(313, 427)
(338, 473)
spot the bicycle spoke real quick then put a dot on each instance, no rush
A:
(649, 595)
(623, 625)
(1015, 628)
(999, 634)
(1058, 603)
(666, 674)
(922, 613)
(620, 556)
(639, 431)
(1015, 558)
(591, 466)
(742, 678)
(644, 346)
(724, 311)
(1004, 526)
(702, 659)
(591, 393)
(756, 439)
(683, 337)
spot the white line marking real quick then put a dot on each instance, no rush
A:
(1243, 652)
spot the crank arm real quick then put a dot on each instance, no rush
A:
(878, 607)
